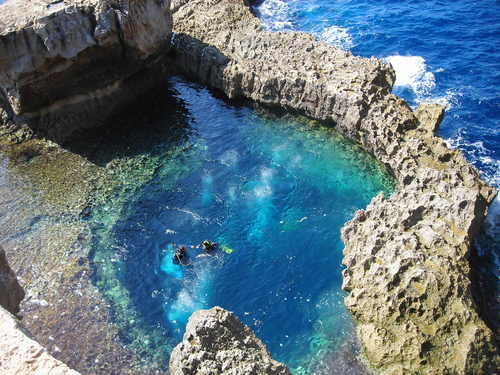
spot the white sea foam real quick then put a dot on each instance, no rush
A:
(338, 37)
(275, 14)
(411, 71)
(490, 166)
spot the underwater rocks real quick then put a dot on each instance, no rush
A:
(216, 342)
(11, 293)
(70, 64)
(407, 258)
(21, 355)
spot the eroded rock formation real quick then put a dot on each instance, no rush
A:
(217, 343)
(21, 355)
(70, 64)
(11, 293)
(407, 257)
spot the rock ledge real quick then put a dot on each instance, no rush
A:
(217, 343)
(70, 64)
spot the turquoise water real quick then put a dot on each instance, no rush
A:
(446, 52)
(273, 193)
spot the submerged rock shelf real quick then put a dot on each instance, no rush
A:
(407, 257)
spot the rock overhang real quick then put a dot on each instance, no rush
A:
(67, 65)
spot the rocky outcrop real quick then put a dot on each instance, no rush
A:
(70, 64)
(430, 116)
(21, 355)
(217, 343)
(407, 257)
(11, 293)
(221, 44)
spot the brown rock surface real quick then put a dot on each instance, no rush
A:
(217, 343)
(407, 257)
(70, 64)
(11, 293)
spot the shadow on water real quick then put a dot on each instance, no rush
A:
(155, 122)
(131, 147)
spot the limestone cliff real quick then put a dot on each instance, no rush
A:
(70, 64)
(406, 257)
(11, 293)
(217, 343)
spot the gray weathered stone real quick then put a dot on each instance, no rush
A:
(430, 116)
(217, 343)
(407, 257)
(21, 355)
(70, 64)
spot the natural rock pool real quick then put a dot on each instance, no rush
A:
(274, 193)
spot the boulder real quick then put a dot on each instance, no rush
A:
(217, 343)
(11, 293)
(430, 116)
(70, 64)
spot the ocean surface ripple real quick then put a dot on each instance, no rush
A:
(443, 52)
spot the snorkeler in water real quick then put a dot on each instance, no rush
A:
(208, 246)
(180, 255)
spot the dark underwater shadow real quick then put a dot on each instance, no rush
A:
(156, 118)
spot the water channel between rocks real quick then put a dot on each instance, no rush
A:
(274, 193)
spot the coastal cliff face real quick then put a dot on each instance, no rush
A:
(407, 257)
(11, 293)
(216, 342)
(68, 65)
(221, 44)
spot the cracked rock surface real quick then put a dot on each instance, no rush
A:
(217, 343)
(407, 257)
(70, 64)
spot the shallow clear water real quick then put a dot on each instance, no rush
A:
(274, 193)
(443, 51)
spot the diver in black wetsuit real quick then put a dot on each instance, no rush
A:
(208, 246)
(180, 255)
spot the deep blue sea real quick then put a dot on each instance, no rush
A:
(445, 52)
(274, 193)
